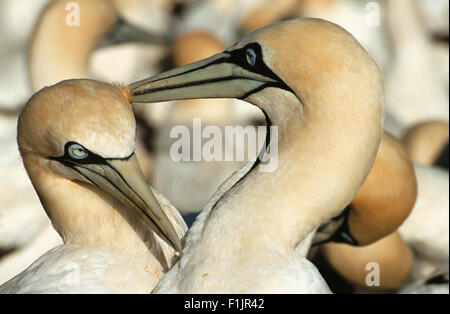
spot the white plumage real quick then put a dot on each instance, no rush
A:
(244, 241)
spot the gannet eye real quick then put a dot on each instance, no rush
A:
(250, 55)
(77, 151)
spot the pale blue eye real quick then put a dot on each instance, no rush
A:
(77, 152)
(250, 55)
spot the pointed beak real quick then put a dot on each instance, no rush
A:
(125, 32)
(223, 75)
(123, 180)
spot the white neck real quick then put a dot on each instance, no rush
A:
(82, 214)
(409, 37)
(322, 162)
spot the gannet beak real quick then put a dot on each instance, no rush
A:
(125, 32)
(123, 179)
(232, 74)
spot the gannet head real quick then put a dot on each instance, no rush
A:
(84, 131)
(426, 142)
(391, 256)
(307, 69)
(384, 201)
(304, 59)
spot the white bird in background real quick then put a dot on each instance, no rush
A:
(60, 50)
(427, 143)
(427, 228)
(329, 125)
(434, 14)
(219, 17)
(435, 17)
(16, 24)
(436, 283)
(154, 15)
(80, 158)
(384, 201)
(414, 93)
(427, 232)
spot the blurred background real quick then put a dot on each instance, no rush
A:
(44, 41)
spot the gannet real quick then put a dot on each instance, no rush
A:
(436, 283)
(77, 140)
(434, 15)
(14, 89)
(61, 46)
(382, 204)
(220, 17)
(153, 15)
(390, 257)
(323, 93)
(426, 229)
(413, 53)
(427, 142)
(384, 201)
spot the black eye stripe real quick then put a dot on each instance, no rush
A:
(91, 159)
(239, 57)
